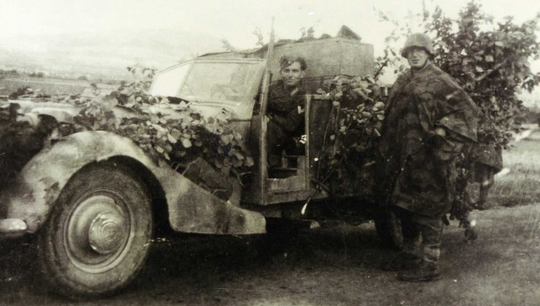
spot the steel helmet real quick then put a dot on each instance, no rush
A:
(419, 40)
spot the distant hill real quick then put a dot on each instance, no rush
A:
(107, 54)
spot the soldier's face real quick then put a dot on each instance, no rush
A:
(292, 74)
(417, 58)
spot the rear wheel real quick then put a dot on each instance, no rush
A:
(97, 237)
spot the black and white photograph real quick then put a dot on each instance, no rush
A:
(270, 152)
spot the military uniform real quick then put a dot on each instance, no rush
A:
(429, 120)
(286, 112)
(487, 162)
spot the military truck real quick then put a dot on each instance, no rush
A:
(94, 198)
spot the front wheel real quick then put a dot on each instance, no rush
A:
(97, 237)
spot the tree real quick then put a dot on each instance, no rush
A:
(37, 74)
(491, 61)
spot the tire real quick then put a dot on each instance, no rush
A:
(281, 234)
(96, 239)
(388, 229)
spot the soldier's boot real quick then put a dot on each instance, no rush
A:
(428, 269)
(402, 262)
(408, 259)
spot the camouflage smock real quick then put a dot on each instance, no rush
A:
(428, 120)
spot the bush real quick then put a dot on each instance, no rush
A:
(37, 75)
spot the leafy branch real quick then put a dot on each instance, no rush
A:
(170, 133)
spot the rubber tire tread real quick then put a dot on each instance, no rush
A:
(61, 275)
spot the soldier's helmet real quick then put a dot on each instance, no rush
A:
(419, 40)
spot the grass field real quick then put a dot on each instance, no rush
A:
(7, 86)
(521, 185)
(50, 86)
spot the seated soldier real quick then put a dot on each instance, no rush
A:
(285, 111)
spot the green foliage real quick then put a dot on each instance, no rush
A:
(19, 143)
(491, 65)
(19, 92)
(260, 37)
(27, 92)
(170, 133)
(532, 115)
(9, 72)
(307, 34)
(490, 61)
(174, 133)
(354, 126)
(37, 74)
(227, 46)
(11, 161)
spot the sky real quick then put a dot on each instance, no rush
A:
(234, 20)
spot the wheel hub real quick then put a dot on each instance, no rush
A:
(106, 232)
(98, 231)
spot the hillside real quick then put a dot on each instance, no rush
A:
(103, 54)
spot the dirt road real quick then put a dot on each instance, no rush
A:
(336, 266)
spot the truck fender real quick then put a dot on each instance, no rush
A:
(191, 208)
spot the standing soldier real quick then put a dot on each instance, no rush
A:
(429, 121)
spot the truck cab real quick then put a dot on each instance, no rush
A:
(237, 83)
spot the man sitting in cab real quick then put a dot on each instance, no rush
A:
(286, 107)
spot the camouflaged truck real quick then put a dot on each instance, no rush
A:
(94, 198)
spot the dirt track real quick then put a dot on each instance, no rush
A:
(337, 266)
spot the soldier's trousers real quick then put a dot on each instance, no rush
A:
(421, 235)
(275, 136)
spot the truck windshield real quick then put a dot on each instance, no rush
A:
(224, 82)
(210, 81)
